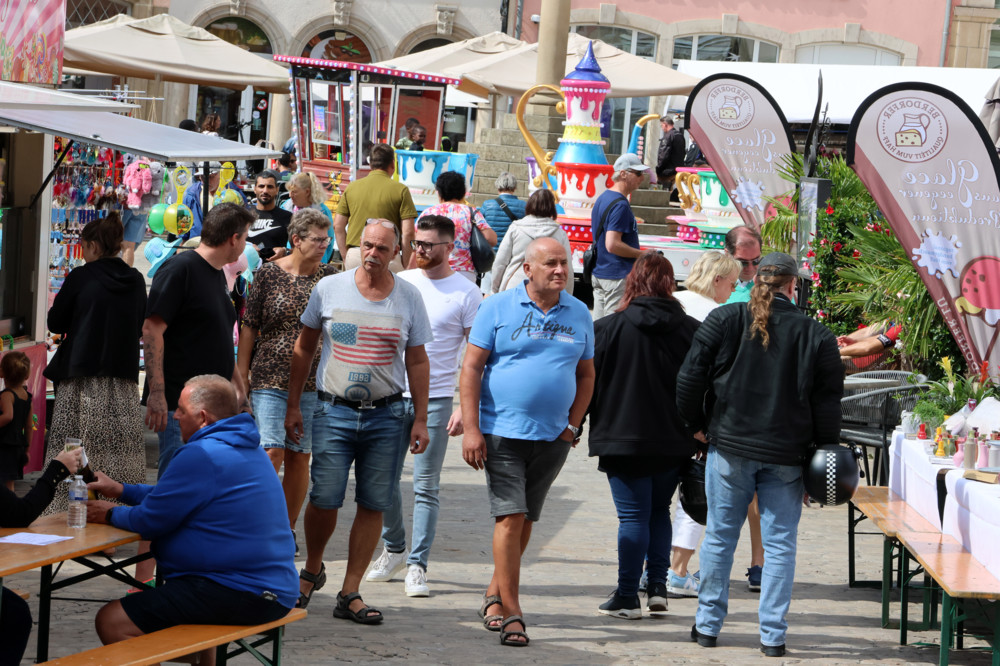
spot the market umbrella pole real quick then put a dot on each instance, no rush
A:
(204, 192)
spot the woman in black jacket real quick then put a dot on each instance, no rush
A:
(100, 309)
(15, 618)
(635, 429)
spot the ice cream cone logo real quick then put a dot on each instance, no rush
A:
(980, 285)
(912, 129)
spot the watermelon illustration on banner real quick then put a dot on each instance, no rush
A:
(926, 159)
(743, 135)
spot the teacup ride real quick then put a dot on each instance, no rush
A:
(419, 171)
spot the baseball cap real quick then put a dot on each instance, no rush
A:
(778, 263)
(631, 162)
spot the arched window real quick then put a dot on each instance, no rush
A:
(845, 54)
(337, 45)
(619, 114)
(431, 43)
(243, 33)
(724, 48)
(993, 60)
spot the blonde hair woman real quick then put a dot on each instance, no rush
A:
(709, 284)
(305, 191)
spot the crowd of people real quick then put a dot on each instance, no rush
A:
(355, 369)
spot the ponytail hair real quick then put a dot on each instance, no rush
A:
(761, 299)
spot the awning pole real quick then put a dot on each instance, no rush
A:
(48, 178)
(204, 193)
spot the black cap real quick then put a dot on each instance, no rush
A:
(778, 263)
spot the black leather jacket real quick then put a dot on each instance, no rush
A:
(770, 405)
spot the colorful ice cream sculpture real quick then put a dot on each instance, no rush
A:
(578, 172)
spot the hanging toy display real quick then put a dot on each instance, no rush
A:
(156, 217)
(178, 219)
(225, 194)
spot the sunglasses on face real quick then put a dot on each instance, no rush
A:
(747, 263)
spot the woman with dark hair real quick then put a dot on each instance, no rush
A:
(539, 221)
(635, 429)
(211, 124)
(99, 310)
(450, 187)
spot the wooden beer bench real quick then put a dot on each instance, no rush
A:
(961, 577)
(890, 515)
(186, 639)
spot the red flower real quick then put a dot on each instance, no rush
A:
(829, 209)
(823, 243)
(856, 254)
(837, 247)
(810, 253)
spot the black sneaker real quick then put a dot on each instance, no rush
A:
(773, 650)
(656, 597)
(703, 640)
(627, 608)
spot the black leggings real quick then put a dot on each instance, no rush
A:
(15, 628)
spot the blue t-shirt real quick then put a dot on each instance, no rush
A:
(529, 382)
(611, 266)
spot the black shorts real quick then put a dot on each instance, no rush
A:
(198, 600)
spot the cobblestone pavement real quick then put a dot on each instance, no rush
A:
(569, 568)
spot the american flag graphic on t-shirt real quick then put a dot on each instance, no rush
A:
(364, 345)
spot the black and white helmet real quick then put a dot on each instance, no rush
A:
(831, 476)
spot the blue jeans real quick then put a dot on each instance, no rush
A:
(426, 485)
(368, 439)
(730, 482)
(170, 441)
(643, 504)
(269, 407)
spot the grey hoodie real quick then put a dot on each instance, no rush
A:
(508, 268)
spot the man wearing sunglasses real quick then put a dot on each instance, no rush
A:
(616, 235)
(743, 245)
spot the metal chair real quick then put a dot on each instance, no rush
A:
(869, 418)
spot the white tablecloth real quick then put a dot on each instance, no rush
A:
(916, 480)
(972, 516)
(895, 463)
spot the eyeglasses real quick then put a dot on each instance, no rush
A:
(425, 246)
(746, 263)
(384, 223)
(637, 173)
(319, 240)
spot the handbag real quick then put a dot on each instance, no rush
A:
(590, 256)
(480, 249)
(693, 498)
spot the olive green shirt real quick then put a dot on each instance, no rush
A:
(376, 195)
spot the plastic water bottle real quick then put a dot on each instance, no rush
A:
(77, 515)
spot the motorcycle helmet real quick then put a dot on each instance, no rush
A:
(832, 475)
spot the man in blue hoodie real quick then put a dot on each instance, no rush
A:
(217, 570)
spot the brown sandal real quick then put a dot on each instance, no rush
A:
(491, 622)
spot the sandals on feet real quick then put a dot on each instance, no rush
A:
(366, 615)
(318, 580)
(491, 622)
(506, 637)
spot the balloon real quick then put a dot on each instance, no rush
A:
(156, 214)
(229, 196)
(178, 219)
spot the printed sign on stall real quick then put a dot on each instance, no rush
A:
(933, 171)
(744, 136)
(31, 40)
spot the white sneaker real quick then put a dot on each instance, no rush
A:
(416, 582)
(386, 566)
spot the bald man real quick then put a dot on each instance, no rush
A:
(523, 444)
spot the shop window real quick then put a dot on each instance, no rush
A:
(724, 48)
(845, 54)
(993, 61)
(337, 45)
(620, 114)
(84, 12)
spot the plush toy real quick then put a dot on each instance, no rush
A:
(139, 181)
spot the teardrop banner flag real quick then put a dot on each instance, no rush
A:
(743, 135)
(933, 171)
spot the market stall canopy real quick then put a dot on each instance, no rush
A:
(131, 135)
(166, 47)
(513, 73)
(30, 98)
(845, 87)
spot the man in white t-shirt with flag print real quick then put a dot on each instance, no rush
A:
(374, 328)
(452, 302)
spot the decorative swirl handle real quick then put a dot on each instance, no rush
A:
(688, 184)
(545, 166)
(633, 144)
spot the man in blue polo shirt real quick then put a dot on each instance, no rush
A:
(526, 383)
(618, 241)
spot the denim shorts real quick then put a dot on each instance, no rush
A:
(269, 407)
(519, 473)
(134, 226)
(368, 439)
(198, 600)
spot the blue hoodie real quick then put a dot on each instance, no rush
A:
(218, 512)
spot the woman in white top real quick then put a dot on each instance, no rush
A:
(539, 221)
(711, 281)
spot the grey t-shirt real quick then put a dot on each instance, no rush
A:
(364, 341)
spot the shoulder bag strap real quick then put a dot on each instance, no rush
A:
(604, 218)
(505, 208)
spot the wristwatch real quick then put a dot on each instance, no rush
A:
(573, 429)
